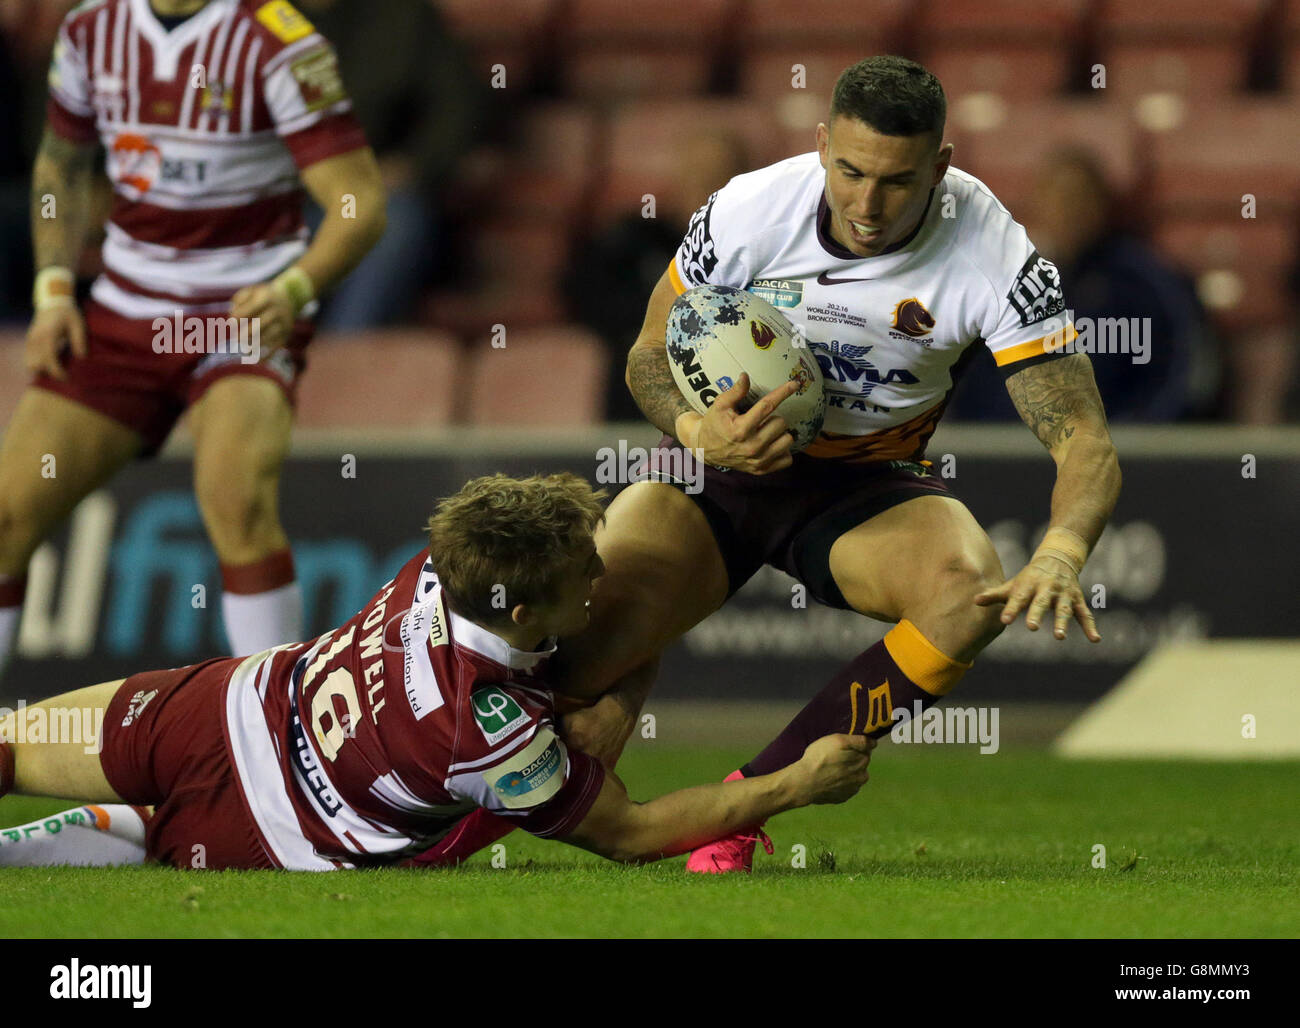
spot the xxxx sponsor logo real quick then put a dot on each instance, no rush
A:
(878, 709)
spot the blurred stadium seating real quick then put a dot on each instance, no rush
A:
(412, 380)
(543, 377)
(1200, 110)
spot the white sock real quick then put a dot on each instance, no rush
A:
(258, 621)
(99, 835)
(9, 618)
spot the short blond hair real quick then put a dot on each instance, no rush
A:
(502, 541)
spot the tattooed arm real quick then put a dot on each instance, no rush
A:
(1058, 399)
(61, 183)
(648, 375)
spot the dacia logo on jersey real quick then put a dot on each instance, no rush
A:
(779, 292)
(911, 319)
(532, 776)
(698, 255)
(1036, 293)
(847, 365)
(496, 714)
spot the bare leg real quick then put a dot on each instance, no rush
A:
(62, 767)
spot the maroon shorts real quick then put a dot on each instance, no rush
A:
(165, 746)
(123, 378)
(790, 518)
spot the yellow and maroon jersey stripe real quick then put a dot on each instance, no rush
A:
(1051, 343)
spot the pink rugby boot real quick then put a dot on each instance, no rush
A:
(734, 853)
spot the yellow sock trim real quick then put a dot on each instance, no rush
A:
(923, 662)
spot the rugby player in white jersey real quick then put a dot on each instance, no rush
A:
(215, 116)
(898, 268)
(367, 745)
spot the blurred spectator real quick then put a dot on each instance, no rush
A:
(1265, 388)
(15, 236)
(419, 102)
(1108, 273)
(27, 28)
(612, 274)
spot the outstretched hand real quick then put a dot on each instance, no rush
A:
(1044, 584)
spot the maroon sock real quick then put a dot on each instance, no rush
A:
(6, 768)
(12, 591)
(901, 670)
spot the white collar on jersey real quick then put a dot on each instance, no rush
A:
(167, 46)
(489, 644)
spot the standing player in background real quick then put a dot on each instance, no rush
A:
(215, 115)
(897, 266)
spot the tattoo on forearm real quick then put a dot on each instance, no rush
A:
(654, 388)
(1055, 396)
(62, 171)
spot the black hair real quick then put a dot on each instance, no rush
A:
(892, 95)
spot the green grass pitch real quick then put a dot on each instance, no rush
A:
(943, 842)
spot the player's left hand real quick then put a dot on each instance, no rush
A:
(601, 730)
(1044, 585)
(273, 309)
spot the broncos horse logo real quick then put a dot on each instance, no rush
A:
(761, 334)
(911, 318)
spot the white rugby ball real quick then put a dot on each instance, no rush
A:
(716, 332)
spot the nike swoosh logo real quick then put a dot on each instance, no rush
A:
(825, 280)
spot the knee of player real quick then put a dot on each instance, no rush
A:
(20, 533)
(986, 625)
(959, 583)
(961, 579)
(237, 505)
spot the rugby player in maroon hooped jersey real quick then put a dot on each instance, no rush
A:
(367, 745)
(214, 115)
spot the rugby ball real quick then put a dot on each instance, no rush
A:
(716, 332)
